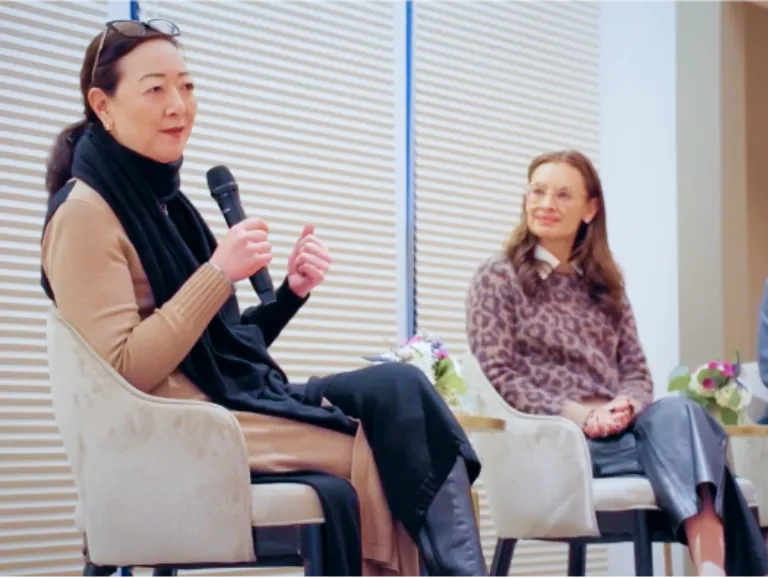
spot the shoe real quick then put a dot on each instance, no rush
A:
(449, 539)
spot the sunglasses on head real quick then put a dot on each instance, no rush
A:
(134, 29)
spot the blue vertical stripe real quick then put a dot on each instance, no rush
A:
(410, 188)
(135, 10)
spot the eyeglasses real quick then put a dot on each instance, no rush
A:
(537, 193)
(134, 29)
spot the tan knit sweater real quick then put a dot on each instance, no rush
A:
(102, 290)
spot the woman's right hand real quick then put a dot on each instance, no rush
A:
(244, 250)
(608, 420)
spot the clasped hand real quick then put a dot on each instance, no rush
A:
(612, 418)
(245, 249)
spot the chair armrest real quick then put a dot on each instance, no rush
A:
(747, 457)
(751, 378)
(538, 473)
(159, 480)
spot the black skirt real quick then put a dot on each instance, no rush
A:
(677, 445)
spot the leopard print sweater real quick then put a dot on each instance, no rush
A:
(557, 347)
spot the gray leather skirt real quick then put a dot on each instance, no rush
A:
(678, 446)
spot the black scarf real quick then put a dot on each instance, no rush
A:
(230, 362)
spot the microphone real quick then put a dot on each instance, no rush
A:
(225, 191)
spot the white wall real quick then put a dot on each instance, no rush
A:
(118, 9)
(638, 169)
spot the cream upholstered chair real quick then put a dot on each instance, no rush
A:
(164, 483)
(750, 377)
(538, 477)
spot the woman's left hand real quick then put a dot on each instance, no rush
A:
(610, 419)
(308, 264)
(625, 407)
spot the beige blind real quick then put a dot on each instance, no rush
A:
(495, 84)
(297, 99)
(41, 48)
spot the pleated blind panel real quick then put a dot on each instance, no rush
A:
(495, 84)
(41, 49)
(297, 100)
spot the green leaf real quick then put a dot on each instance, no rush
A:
(728, 416)
(679, 383)
(450, 380)
(443, 367)
(735, 400)
(679, 371)
(706, 402)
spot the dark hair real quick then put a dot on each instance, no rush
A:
(590, 248)
(106, 77)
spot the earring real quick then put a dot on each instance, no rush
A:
(107, 126)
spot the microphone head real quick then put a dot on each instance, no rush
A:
(220, 179)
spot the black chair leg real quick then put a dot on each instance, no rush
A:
(164, 571)
(502, 556)
(577, 559)
(643, 545)
(93, 570)
(312, 549)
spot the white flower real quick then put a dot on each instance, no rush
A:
(425, 365)
(456, 365)
(725, 397)
(423, 349)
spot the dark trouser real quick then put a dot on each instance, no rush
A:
(678, 446)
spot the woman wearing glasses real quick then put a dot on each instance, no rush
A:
(132, 266)
(551, 326)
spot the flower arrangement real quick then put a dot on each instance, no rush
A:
(716, 386)
(429, 353)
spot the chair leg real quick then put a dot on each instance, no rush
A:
(93, 570)
(164, 571)
(643, 545)
(312, 549)
(577, 559)
(502, 556)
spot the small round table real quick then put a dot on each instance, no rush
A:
(472, 423)
(746, 430)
